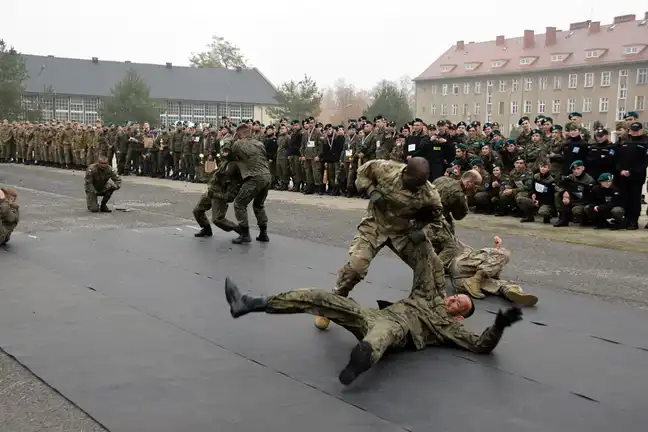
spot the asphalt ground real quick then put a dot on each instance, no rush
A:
(603, 264)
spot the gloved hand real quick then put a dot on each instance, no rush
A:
(378, 200)
(416, 236)
(508, 318)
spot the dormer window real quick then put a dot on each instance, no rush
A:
(525, 61)
(447, 68)
(498, 63)
(631, 49)
(469, 66)
(595, 53)
(558, 57)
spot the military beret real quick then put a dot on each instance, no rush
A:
(319, 125)
(441, 123)
(495, 132)
(602, 132)
(510, 141)
(636, 126)
(311, 118)
(432, 127)
(378, 117)
(522, 120)
(328, 125)
(461, 123)
(400, 136)
(575, 114)
(417, 120)
(633, 114)
(498, 144)
(520, 158)
(268, 127)
(571, 127)
(488, 124)
(547, 120)
(538, 117)
(352, 126)
(462, 146)
(576, 164)
(351, 121)
(537, 131)
(476, 161)
(451, 126)
(498, 164)
(362, 118)
(294, 122)
(472, 126)
(368, 122)
(234, 125)
(605, 177)
(406, 126)
(476, 123)
(340, 126)
(391, 124)
(457, 162)
(556, 128)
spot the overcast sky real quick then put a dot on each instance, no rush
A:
(285, 39)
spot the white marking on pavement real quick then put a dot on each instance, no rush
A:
(137, 231)
(179, 229)
(193, 227)
(32, 236)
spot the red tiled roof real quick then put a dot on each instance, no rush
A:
(611, 39)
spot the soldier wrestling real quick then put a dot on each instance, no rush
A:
(419, 321)
(9, 214)
(101, 180)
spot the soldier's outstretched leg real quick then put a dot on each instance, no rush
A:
(200, 214)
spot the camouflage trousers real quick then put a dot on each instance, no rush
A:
(91, 198)
(442, 237)
(489, 261)
(313, 171)
(283, 171)
(428, 282)
(5, 235)
(346, 175)
(380, 328)
(253, 190)
(297, 170)
(66, 155)
(616, 213)
(331, 169)
(218, 207)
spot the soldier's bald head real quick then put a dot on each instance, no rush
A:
(416, 173)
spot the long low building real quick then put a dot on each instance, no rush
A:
(73, 89)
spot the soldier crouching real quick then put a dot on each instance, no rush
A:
(100, 181)
(9, 214)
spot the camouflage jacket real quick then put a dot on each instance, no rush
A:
(455, 202)
(96, 178)
(251, 157)
(520, 181)
(394, 221)
(9, 217)
(225, 182)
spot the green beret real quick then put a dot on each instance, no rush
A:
(556, 128)
(476, 161)
(547, 120)
(495, 132)
(605, 177)
(539, 117)
(576, 164)
(498, 165)
(295, 122)
(457, 162)
(631, 114)
(520, 158)
(462, 146)
(498, 144)
(510, 141)
(538, 131)
(575, 114)
(522, 120)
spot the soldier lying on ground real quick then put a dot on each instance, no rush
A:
(100, 180)
(9, 213)
(416, 320)
(398, 194)
(478, 271)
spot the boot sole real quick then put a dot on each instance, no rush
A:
(524, 299)
(359, 363)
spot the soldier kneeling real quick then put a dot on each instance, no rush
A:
(100, 180)
(605, 204)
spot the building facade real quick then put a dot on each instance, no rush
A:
(74, 89)
(598, 70)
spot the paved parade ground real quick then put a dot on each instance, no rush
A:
(124, 315)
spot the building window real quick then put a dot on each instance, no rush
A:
(555, 107)
(528, 84)
(557, 82)
(185, 111)
(212, 112)
(557, 57)
(642, 76)
(526, 60)
(62, 103)
(478, 87)
(455, 109)
(640, 103)
(235, 112)
(76, 116)
(587, 104)
(623, 73)
(469, 66)
(631, 50)
(604, 105)
(247, 111)
(433, 110)
(593, 53)
(444, 110)
(589, 80)
(502, 85)
(528, 107)
(571, 105)
(621, 113)
(466, 88)
(477, 108)
(514, 107)
(500, 108)
(515, 86)
(606, 78)
(541, 107)
(464, 111)
(198, 114)
(455, 89)
(444, 89)
(434, 89)
(497, 63)
(543, 83)
(446, 68)
(76, 104)
(573, 81)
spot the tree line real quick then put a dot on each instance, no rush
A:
(130, 99)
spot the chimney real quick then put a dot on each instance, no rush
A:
(550, 36)
(624, 18)
(646, 15)
(595, 27)
(579, 25)
(529, 39)
(95, 60)
(460, 46)
(169, 65)
(500, 41)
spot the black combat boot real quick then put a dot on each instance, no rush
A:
(104, 206)
(563, 221)
(242, 304)
(244, 236)
(546, 219)
(263, 235)
(527, 217)
(205, 231)
(359, 363)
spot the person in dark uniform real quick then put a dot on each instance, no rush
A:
(632, 161)
(575, 148)
(601, 157)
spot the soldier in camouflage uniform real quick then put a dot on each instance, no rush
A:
(419, 320)
(476, 272)
(398, 194)
(346, 175)
(310, 153)
(9, 214)
(100, 180)
(283, 164)
(6, 136)
(519, 182)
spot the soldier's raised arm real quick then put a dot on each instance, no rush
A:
(488, 340)
(370, 173)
